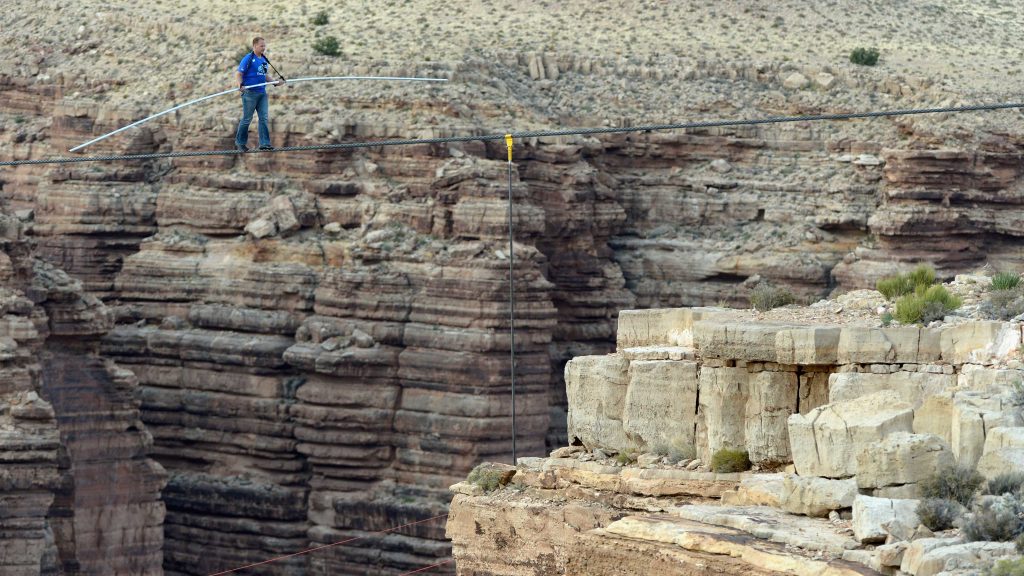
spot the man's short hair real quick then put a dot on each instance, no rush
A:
(256, 39)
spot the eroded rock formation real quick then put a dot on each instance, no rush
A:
(887, 410)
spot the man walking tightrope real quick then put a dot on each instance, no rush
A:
(253, 70)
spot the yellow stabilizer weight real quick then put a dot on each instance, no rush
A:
(508, 143)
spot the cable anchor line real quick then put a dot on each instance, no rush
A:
(274, 82)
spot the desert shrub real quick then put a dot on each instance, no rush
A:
(864, 56)
(1004, 304)
(489, 478)
(1013, 567)
(957, 483)
(938, 513)
(728, 460)
(926, 305)
(321, 18)
(765, 297)
(1005, 483)
(996, 519)
(895, 286)
(1005, 281)
(923, 275)
(328, 46)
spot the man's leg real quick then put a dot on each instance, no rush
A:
(263, 126)
(248, 106)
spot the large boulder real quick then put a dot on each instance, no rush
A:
(825, 442)
(596, 388)
(812, 496)
(872, 516)
(661, 404)
(973, 414)
(901, 458)
(913, 387)
(723, 396)
(905, 344)
(771, 399)
(1004, 452)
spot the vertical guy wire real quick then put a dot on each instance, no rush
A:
(511, 297)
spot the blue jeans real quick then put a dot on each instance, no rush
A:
(254, 102)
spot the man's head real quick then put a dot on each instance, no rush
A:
(259, 45)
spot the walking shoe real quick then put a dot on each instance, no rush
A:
(266, 147)
(241, 147)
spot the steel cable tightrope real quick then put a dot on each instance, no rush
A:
(331, 545)
(425, 568)
(530, 134)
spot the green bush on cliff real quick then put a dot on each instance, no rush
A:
(895, 286)
(729, 460)
(926, 305)
(864, 56)
(1005, 281)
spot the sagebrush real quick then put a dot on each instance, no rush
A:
(995, 519)
(765, 297)
(957, 483)
(1005, 483)
(938, 513)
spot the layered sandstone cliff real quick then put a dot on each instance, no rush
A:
(319, 341)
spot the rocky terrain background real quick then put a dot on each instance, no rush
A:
(318, 342)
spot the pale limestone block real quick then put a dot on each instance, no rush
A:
(596, 389)
(974, 414)
(814, 345)
(962, 342)
(871, 514)
(902, 458)
(723, 391)
(661, 403)
(742, 341)
(910, 344)
(826, 441)
(661, 327)
(953, 556)
(913, 387)
(812, 496)
(757, 490)
(1001, 461)
(813, 391)
(772, 398)
(935, 416)
(983, 379)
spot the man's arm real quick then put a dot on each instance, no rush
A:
(238, 79)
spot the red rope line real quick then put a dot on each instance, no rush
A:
(425, 568)
(338, 543)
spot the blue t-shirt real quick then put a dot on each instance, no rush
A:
(256, 73)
